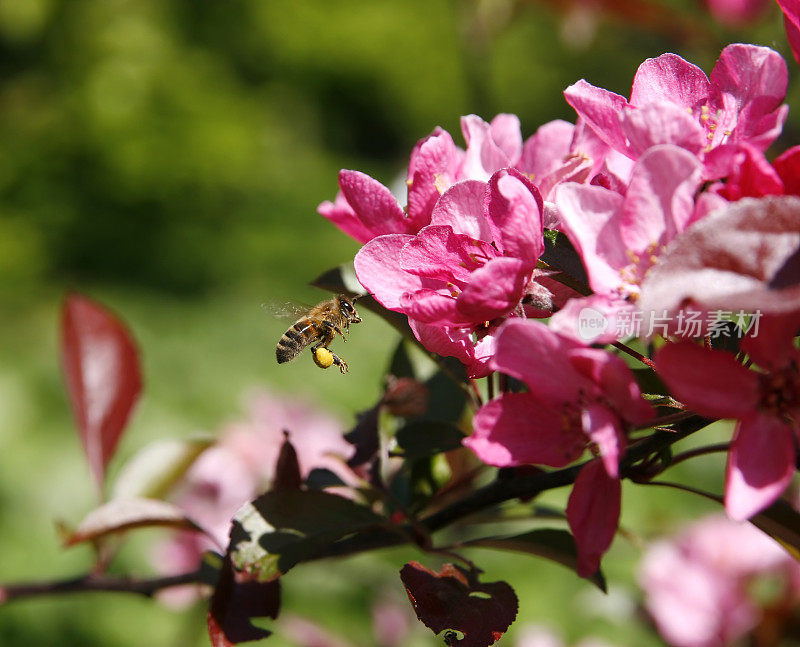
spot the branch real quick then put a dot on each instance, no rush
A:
(85, 583)
(504, 489)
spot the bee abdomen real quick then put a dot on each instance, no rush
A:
(292, 342)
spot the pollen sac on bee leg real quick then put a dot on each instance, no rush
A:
(322, 357)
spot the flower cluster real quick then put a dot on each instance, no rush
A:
(642, 188)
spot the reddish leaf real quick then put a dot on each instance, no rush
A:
(287, 468)
(101, 368)
(126, 514)
(238, 598)
(454, 599)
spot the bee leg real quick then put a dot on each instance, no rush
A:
(335, 329)
(343, 368)
(327, 358)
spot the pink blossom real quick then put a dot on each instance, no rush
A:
(765, 401)
(365, 208)
(674, 102)
(619, 237)
(577, 396)
(472, 265)
(698, 585)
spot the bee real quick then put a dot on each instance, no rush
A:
(318, 327)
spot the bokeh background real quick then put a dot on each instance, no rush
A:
(166, 157)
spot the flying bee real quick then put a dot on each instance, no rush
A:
(318, 327)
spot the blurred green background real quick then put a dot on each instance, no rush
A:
(166, 157)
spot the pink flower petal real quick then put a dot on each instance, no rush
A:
(461, 208)
(588, 215)
(747, 171)
(669, 78)
(494, 290)
(710, 382)
(596, 319)
(515, 216)
(430, 306)
(373, 203)
(517, 429)
(377, 266)
(755, 78)
(602, 426)
(437, 252)
(484, 155)
(791, 20)
(593, 514)
(445, 341)
(771, 344)
(434, 161)
(616, 381)
(787, 165)
(507, 136)
(530, 351)
(482, 354)
(760, 465)
(341, 214)
(660, 198)
(600, 109)
(546, 149)
(661, 123)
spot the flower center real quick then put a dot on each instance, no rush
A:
(780, 392)
(633, 274)
(710, 122)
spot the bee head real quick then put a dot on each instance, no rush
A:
(348, 309)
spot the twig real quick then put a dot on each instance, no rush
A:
(700, 451)
(635, 354)
(85, 583)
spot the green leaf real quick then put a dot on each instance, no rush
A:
(559, 254)
(446, 399)
(551, 543)
(423, 438)
(401, 365)
(278, 530)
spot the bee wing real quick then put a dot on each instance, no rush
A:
(288, 310)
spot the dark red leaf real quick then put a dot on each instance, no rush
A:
(364, 436)
(454, 599)
(101, 368)
(287, 468)
(238, 598)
